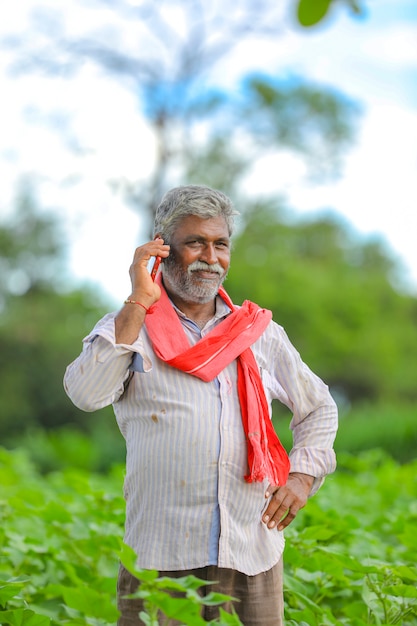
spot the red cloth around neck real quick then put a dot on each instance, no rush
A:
(229, 340)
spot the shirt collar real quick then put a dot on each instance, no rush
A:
(222, 309)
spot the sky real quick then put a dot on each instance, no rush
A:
(372, 59)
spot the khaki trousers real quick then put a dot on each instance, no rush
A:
(261, 596)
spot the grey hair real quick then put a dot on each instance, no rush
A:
(186, 200)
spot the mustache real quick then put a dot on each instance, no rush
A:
(216, 268)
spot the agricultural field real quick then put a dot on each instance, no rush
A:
(350, 557)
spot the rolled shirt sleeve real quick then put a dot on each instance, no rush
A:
(97, 378)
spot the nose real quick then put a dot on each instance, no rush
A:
(209, 254)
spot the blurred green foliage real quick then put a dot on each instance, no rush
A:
(388, 427)
(41, 324)
(336, 295)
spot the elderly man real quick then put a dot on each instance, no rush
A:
(209, 488)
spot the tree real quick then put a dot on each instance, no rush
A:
(316, 124)
(31, 247)
(336, 296)
(42, 321)
(167, 54)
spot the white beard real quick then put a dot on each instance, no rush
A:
(187, 286)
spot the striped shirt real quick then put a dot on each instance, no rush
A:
(187, 503)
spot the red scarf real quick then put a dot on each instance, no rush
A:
(229, 340)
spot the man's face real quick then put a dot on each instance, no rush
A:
(198, 260)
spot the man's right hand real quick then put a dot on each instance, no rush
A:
(144, 290)
(130, 318)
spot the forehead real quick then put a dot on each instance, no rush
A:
(210, 228)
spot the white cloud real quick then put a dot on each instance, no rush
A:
(395, 46)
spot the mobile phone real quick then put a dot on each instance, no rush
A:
(153, 266)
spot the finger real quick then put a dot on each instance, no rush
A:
(270, 490)
(283, 505)
(286, 521)
(282, 517)
(277, 508)
(144, 254)
(156, 247)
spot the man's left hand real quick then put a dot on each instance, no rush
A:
(286, 501)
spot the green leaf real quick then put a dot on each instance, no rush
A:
(405, 573)
(128, 559)
(350, 562)
(308, 615)
(228, 619)
(400, 591)
(183, 610)
(23, 617)
(213, 598)
(318, 533)
(147, 619)
(184, 583)
(7, 592)
(89, 602)
(310, 12)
